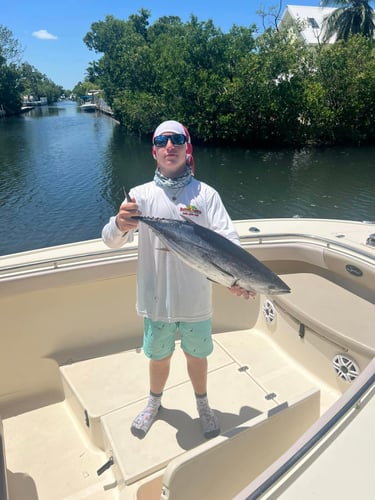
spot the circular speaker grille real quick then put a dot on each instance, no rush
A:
(345, 367)
(269, 311)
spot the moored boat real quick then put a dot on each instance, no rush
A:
(291, 378)
(88, 106)
(90, 101)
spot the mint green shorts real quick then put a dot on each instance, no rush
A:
(159, 338)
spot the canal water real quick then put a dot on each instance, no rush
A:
(62, 172)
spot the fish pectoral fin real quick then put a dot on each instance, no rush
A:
(223, 271)
(213, 281)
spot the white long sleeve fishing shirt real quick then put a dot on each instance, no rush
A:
(167, 288)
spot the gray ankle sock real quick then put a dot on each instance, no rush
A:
(208, 419)
(143, 421)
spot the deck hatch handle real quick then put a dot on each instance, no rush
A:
(270, 395)
(243, 368)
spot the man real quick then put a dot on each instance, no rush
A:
(170, 295)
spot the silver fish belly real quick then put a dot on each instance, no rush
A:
(218, 258)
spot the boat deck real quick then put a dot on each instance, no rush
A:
(248, 376)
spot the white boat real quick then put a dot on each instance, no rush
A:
(90, 101)
(291, 377)
(88, 106)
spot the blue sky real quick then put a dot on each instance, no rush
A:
(52, 33)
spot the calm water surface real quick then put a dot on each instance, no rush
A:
(62, 171)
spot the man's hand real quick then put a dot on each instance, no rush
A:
(246, 294)
(124, 219)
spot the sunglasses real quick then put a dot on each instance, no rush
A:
(160, 141)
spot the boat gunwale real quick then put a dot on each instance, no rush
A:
(112, 255)
(327, 242)
(363, 384)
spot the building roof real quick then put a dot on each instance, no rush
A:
(311, 19)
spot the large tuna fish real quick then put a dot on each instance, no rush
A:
(218, 258)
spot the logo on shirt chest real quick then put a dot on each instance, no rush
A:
(190, 210)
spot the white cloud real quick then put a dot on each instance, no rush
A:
(44, 35)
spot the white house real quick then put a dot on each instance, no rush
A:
(309, 20)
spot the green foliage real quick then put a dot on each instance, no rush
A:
(18, 80)
(268, 91)
(10, 80)
(10, 48)
(153, 72)
(83, 88)
(10, 88)
(352, 17)
(38, 85)
(234, 88)
(229, 88)
(137, 111)
(345, 74)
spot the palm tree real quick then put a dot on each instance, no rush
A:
(350, 18)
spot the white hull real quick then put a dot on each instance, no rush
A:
(88, 107)
(72, 376)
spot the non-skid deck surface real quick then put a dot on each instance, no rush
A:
(177, 428)
(244, 381)
(111, 382)
(47, 458)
